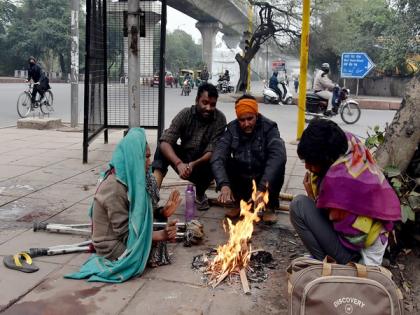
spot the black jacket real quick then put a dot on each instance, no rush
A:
(260, 155)
(34, 72)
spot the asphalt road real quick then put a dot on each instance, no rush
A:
(285, 116)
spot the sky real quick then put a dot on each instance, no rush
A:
(178, 20)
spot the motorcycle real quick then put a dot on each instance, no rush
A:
(271, 97)
(316, 106)
(223, 86)
(186, 88)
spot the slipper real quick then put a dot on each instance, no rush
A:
(17, 263)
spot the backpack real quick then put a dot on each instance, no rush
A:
(325, 287)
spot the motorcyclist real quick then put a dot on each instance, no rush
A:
(204, 76)
(274, 84)
(226, 76)
(323, 86)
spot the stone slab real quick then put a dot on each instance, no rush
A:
(15, 284)
(39, 123)
(57, 295)
(160, 297)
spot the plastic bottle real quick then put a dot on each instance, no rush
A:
(189, 203)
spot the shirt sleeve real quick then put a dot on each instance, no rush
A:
(173, 133)
(220, 128)
(276, 153)
(326, 82)
(219, 159)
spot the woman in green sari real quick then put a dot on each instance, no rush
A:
(122, 215)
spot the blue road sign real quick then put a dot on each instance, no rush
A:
(355, 65)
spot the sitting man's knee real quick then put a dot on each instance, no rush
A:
(297, 204)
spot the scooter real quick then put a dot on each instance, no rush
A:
(316, 106)
(271, 97)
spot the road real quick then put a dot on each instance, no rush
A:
(285, 116)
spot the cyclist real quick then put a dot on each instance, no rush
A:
(41, 82)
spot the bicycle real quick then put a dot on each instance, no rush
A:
(25, 106)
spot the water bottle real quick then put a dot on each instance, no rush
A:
(189, 203)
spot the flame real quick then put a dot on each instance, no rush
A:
(235, 254)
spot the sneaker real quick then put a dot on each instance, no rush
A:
(202, 203)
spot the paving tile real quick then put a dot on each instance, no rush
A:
(15, 284)
(57, 295)
(177, 299)
(30, 239)
(10, 171)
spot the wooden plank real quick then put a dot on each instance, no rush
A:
(244, 281)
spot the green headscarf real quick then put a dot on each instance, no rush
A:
(128, 160)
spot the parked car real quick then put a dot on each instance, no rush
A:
(169, 79)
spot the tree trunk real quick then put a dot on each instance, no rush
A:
(403, 135)
(243, 73)
(62, 66)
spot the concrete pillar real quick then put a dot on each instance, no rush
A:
(208, 33)
(232, 41)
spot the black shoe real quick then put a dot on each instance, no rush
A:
(334, 111)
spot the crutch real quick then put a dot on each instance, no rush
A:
(189, 232)
(83, 247)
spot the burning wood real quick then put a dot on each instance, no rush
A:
(234, 256)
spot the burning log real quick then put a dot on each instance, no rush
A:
(234, 256)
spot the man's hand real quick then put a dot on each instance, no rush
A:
(308, 186)
(183, 170)
(170, 230)
(172, 204)
(226, 195)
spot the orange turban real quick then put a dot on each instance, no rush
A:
(246, 106)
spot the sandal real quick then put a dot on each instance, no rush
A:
(17, 263)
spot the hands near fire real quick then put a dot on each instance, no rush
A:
(172, 204)
(226, 195)
(170, 230)
(308, 186)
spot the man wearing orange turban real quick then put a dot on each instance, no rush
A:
(250, 149)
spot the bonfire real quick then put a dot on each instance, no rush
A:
(234, 256)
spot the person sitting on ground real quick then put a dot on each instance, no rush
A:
(250, 148)
(350, 207)
(122, 216)
(323, 87)
(198, 127)
(274, 84)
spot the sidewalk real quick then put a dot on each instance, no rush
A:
(42, 178)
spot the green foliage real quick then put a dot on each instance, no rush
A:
(386, 32)
(182, 52)
(373, 141)
(404, 186)
(36, 28)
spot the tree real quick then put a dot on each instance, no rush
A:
(182, 51)
(387, 32)
(41, 29)
(403, 135)
(274, 23)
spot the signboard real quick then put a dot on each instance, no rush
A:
(278, 65)
(355, 65)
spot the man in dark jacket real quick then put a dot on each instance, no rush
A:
(250, 148)
(198, 128)
(274, 84)
(34, 74)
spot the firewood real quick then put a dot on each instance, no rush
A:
(244, 281)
